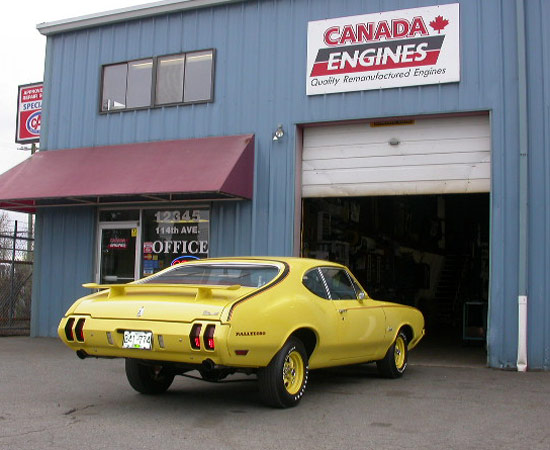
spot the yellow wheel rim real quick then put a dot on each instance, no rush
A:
(293, 372)
(400, 352)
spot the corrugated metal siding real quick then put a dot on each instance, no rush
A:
(260, 72)
(65, 243)
(498, 54)
(232, 228)
(538, 85)
(260, 82)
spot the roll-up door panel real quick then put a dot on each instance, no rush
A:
(433, 156)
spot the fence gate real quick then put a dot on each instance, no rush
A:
(16, 261)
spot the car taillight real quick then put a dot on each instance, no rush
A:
(195, 336)
(209, 337)
(79, 330)
(69, 329)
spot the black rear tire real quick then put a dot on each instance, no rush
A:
(283, 382)
(148, 379)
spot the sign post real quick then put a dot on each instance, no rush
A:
(29, 113)
(29, 117)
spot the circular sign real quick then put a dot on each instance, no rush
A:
(33, 123)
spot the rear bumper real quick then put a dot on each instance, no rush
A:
(171, 340)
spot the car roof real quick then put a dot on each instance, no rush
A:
(292, 261)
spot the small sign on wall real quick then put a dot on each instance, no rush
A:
(408, 47)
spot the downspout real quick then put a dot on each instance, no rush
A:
(523, 269)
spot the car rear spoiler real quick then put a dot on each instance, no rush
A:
(204, 291)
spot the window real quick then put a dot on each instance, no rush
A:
(138, 90)
(111, 215)
(179, 79)
(152, 239)
(250, 275)
(198, 77)
(170, 70)
(339, 284)
(174, 235)
(359, 293)
(313, 281)
(114, 87)
(127, 85)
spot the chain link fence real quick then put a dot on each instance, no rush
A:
(16, 261)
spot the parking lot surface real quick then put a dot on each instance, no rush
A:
(49, 399)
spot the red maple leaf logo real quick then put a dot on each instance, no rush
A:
(439, 23)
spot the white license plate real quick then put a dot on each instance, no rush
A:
(142, 340)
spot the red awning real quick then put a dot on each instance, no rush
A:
(192, 169)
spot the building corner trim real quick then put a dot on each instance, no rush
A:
(523, 256)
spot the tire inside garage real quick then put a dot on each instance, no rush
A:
(427, 251)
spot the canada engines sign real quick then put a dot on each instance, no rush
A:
(409, 47)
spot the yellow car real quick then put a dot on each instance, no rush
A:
(273, 317)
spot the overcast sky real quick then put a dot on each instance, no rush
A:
(22, 50)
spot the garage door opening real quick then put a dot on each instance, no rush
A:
(428, 251)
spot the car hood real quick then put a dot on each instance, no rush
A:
(161, 302)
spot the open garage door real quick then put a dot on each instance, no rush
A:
(420, 156)
(427, 251)
(406, 206)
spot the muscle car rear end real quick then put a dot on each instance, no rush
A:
(272, 317)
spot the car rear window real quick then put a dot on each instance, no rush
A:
(250, 275)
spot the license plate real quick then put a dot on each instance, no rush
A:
(142, 340)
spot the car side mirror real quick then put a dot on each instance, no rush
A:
(361, 296)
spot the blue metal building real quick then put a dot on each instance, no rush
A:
(260, 76)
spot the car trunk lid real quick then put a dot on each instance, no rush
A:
(166, 302)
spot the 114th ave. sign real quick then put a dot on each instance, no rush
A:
(409, 47)
(29, 113)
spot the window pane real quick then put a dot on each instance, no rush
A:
(174, 235)
(312, 280)
(198, 77)
(118, 256)
(114, 87)
(357, 288)
(218, 274)
(140, 77)
(170, 79)
(118, 215)
(339, 284)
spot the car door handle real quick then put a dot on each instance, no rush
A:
(342, 311)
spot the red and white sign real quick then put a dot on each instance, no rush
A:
(409, 47)
(118, 243)
(29, 113)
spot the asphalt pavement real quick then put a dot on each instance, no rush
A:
(49, 399)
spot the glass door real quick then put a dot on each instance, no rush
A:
(118, 253)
